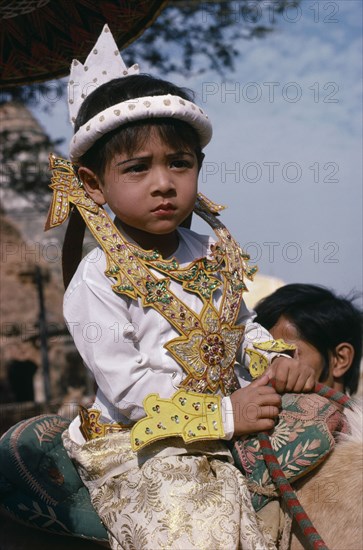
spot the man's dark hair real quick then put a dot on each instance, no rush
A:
(322, 319)
(177, 133)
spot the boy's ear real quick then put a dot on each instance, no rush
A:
(92, 184)
(342, 359)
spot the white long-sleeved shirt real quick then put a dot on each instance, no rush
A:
(122, 343)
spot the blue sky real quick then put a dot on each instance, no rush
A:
(286, 153)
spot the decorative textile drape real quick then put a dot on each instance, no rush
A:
(39, 38)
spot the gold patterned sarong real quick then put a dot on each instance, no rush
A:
(168, 497)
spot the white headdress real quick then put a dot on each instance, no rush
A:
(104, 63)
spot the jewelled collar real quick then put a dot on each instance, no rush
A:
(208, 341)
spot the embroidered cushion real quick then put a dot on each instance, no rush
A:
(39, 485)
(301, 439)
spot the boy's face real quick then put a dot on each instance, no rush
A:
(153, 189)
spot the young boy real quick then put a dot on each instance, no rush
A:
(158, 318)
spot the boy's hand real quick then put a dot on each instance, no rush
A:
(255, 407)
(290, 375)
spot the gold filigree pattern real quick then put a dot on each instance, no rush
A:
(258, 363)
(209, 351)
(158, 292)
(189, 415)
(66, 189)
(276, 346)
(92, 428)
(203, 284)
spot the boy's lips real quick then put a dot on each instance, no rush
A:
(165, 207)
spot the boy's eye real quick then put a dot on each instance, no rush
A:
(181, 163)
(141, 167)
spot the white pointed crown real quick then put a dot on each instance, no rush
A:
(104, 63)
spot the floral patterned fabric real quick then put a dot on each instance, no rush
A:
(40, 486)
(302, 438)
(172, 497)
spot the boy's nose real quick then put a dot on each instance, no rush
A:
(162, 181)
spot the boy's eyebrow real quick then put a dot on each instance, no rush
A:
(145, 157)
(130, 160)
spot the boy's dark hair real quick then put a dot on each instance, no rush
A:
(177, 133)
(322, 319)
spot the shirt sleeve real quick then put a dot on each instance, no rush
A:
(227, 418)
(103, 332)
